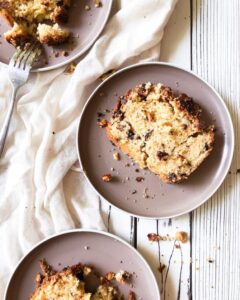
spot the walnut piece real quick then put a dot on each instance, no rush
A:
(131, 296)
(116, 156)
(122, 277)
(103, 123)
(107, 177)
(110, 276)
(181, 236)
(153, 237)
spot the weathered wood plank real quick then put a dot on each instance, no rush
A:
(118, 222)
(170, 260)
(215, 226)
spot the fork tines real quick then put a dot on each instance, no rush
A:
(24, 56)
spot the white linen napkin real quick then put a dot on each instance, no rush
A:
(39, 194)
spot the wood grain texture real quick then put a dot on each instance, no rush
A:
(215, 225)
(117, 222)
(169, 260)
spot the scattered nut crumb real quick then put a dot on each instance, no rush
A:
(238, 171)
(39, 278)
(123, 277)
(86, 247)
(139, 179)
(106, 75)
(116, 156)
(87, 7)
(87, 270)
(153, 237)
(64, 53)
(70, 68)
(110, 276)
(181, 236)
(131, 296)
(102, 123)
(98, 3)
(107, 177)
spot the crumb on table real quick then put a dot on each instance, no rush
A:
(181, 236)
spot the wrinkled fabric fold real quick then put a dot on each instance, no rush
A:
(39, 193)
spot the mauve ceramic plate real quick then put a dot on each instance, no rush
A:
(105, 253)
(84, 25)
(164, 200)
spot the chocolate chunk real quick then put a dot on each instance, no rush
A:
(130, 134)
(186, 103)
(121, 115)
(195, 134)
(172, 177)
(79, 275)
(148, 135)
(100, 114)
(139, 179)
(161, 154)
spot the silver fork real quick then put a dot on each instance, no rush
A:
(18, 72)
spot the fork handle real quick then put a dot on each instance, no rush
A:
(6, 123)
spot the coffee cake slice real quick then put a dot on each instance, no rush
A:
(25, 17)
(69, 284)
(161, 131)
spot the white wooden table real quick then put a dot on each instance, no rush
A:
(203, 36)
